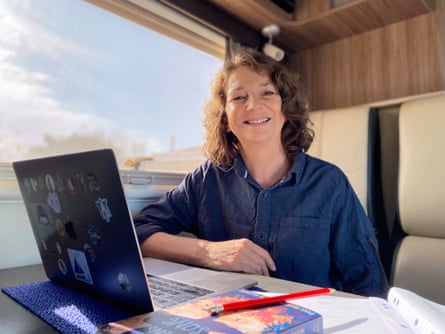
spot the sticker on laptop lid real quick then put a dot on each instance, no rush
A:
(124, 282)
(79, 265)
(104, 210)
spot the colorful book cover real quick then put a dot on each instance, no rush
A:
(194, 318)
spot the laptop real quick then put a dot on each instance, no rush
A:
(86, 237)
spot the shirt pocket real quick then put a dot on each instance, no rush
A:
(303, 234)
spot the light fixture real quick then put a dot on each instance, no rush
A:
(270, 31)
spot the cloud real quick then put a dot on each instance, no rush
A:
(33, 120)
(22, 34)
(127, 147)
(33, 135)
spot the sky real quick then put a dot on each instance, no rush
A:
(74, 76)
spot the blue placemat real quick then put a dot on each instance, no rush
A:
(65, 309)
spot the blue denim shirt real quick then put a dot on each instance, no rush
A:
(311, 222)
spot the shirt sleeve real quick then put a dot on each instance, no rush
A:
(174, 212)
(355, 249)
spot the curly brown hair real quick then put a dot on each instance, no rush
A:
(220, 146)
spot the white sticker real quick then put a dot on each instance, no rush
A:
(79, 266)
(104, 210)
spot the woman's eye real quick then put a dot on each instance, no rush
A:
(269, 93)
(238, 98)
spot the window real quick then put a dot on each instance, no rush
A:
(76, 77)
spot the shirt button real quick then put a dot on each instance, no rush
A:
(265, 195)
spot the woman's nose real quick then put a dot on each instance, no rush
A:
(253, 101)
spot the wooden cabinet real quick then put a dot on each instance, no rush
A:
(314, 22)
(349, 19)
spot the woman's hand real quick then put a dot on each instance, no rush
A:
(241, 255)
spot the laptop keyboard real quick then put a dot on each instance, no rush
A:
(166, 293)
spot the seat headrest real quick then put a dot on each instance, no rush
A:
(422, 167)
(341, 137)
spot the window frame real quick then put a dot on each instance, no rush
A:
(169, 22)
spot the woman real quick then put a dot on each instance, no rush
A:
(260, 204)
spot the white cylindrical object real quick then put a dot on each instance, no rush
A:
(273, 51)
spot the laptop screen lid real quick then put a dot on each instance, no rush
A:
(85, 233)
(83, 227)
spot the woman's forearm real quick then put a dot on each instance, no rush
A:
(176, 248)
(241, 255)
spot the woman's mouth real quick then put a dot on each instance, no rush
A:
(258, 121)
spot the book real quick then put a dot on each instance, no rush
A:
(403, 311)
(422, 315)
(194, 318)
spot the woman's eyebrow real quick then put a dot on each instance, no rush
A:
(241, 88)
(234, 90)
(267, 83)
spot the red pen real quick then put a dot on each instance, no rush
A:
(266, 301)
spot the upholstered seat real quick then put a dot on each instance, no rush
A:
(341, 137)
(349, 138)
(419, 262)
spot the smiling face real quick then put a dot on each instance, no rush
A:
(253, 108)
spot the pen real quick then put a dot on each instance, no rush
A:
(266, 301)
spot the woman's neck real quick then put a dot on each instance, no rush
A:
(266, 166)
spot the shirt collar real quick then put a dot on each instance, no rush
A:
(293, 174)
(240, 167)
